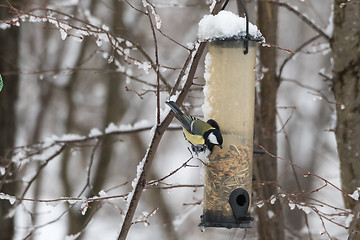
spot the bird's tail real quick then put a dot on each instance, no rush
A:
(184, 119)
(175, 108)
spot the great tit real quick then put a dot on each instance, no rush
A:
(201, 135)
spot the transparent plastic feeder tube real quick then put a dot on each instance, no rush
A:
(229, 99)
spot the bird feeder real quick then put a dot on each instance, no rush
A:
(229, 100)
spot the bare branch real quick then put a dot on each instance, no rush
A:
(172, 186)
(136, 9)
(349, 3)
(308, 173)
(157, 69)
(150, 153)
(154, 182)
(70, 200)
(295, 52)
(173, 40)
(38, 172)
(319, 92)
(83, 28)
(304, 18)
(146, 163)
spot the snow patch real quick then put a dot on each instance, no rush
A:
(4, 26)
(355, 194)
(292, 205)
(72, 236)
(272, 199)
(305, 208)
(330, 27)
(271, 214)
(5, 196)
(206, 107)
(95, 132)
(127, 127)
(102, 194)
(146, 66)
(84, 205)
(212, 5)
(260, 204)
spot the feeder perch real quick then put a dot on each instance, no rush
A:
(229, 99)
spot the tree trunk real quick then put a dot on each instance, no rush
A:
(8, 96)
(265, 166)
(114, 109)
(345, 46)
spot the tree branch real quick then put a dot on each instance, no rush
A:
(296, 51)
(157, 66)
(308, 173)
(304, 18)
(145, 164)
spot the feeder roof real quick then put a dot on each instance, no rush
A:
(226, 25)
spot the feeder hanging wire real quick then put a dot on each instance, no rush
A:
(246, 41)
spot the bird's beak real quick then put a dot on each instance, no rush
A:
(220, 146)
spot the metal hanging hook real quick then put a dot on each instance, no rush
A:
(247, 37)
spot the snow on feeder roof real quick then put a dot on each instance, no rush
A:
(225, 26)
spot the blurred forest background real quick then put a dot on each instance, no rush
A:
(83, 80)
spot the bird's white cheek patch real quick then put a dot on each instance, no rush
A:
(212, 138)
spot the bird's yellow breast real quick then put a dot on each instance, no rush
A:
(195, 139)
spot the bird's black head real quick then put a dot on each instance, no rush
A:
(213, 137)
(214, 124)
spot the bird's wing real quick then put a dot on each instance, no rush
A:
(186, 121)
(199, 127)
(194, 139)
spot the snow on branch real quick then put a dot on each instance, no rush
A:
(144, 217)
(41, 151)
(77, 29)
(139, 183)
(70, 200)
(148, 5)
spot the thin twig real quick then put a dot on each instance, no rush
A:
(296, 51)
(266, 44)
(88, 184)
(182, 73)
(170, 174)
(175, 186)
(291, 160)
(305, 19)
(321, 94)
(72, 199)
(349, 3)
(91, 31)
(157, 68)
(173, 40)
(6, 215)
(136, 9)
(307, 172)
